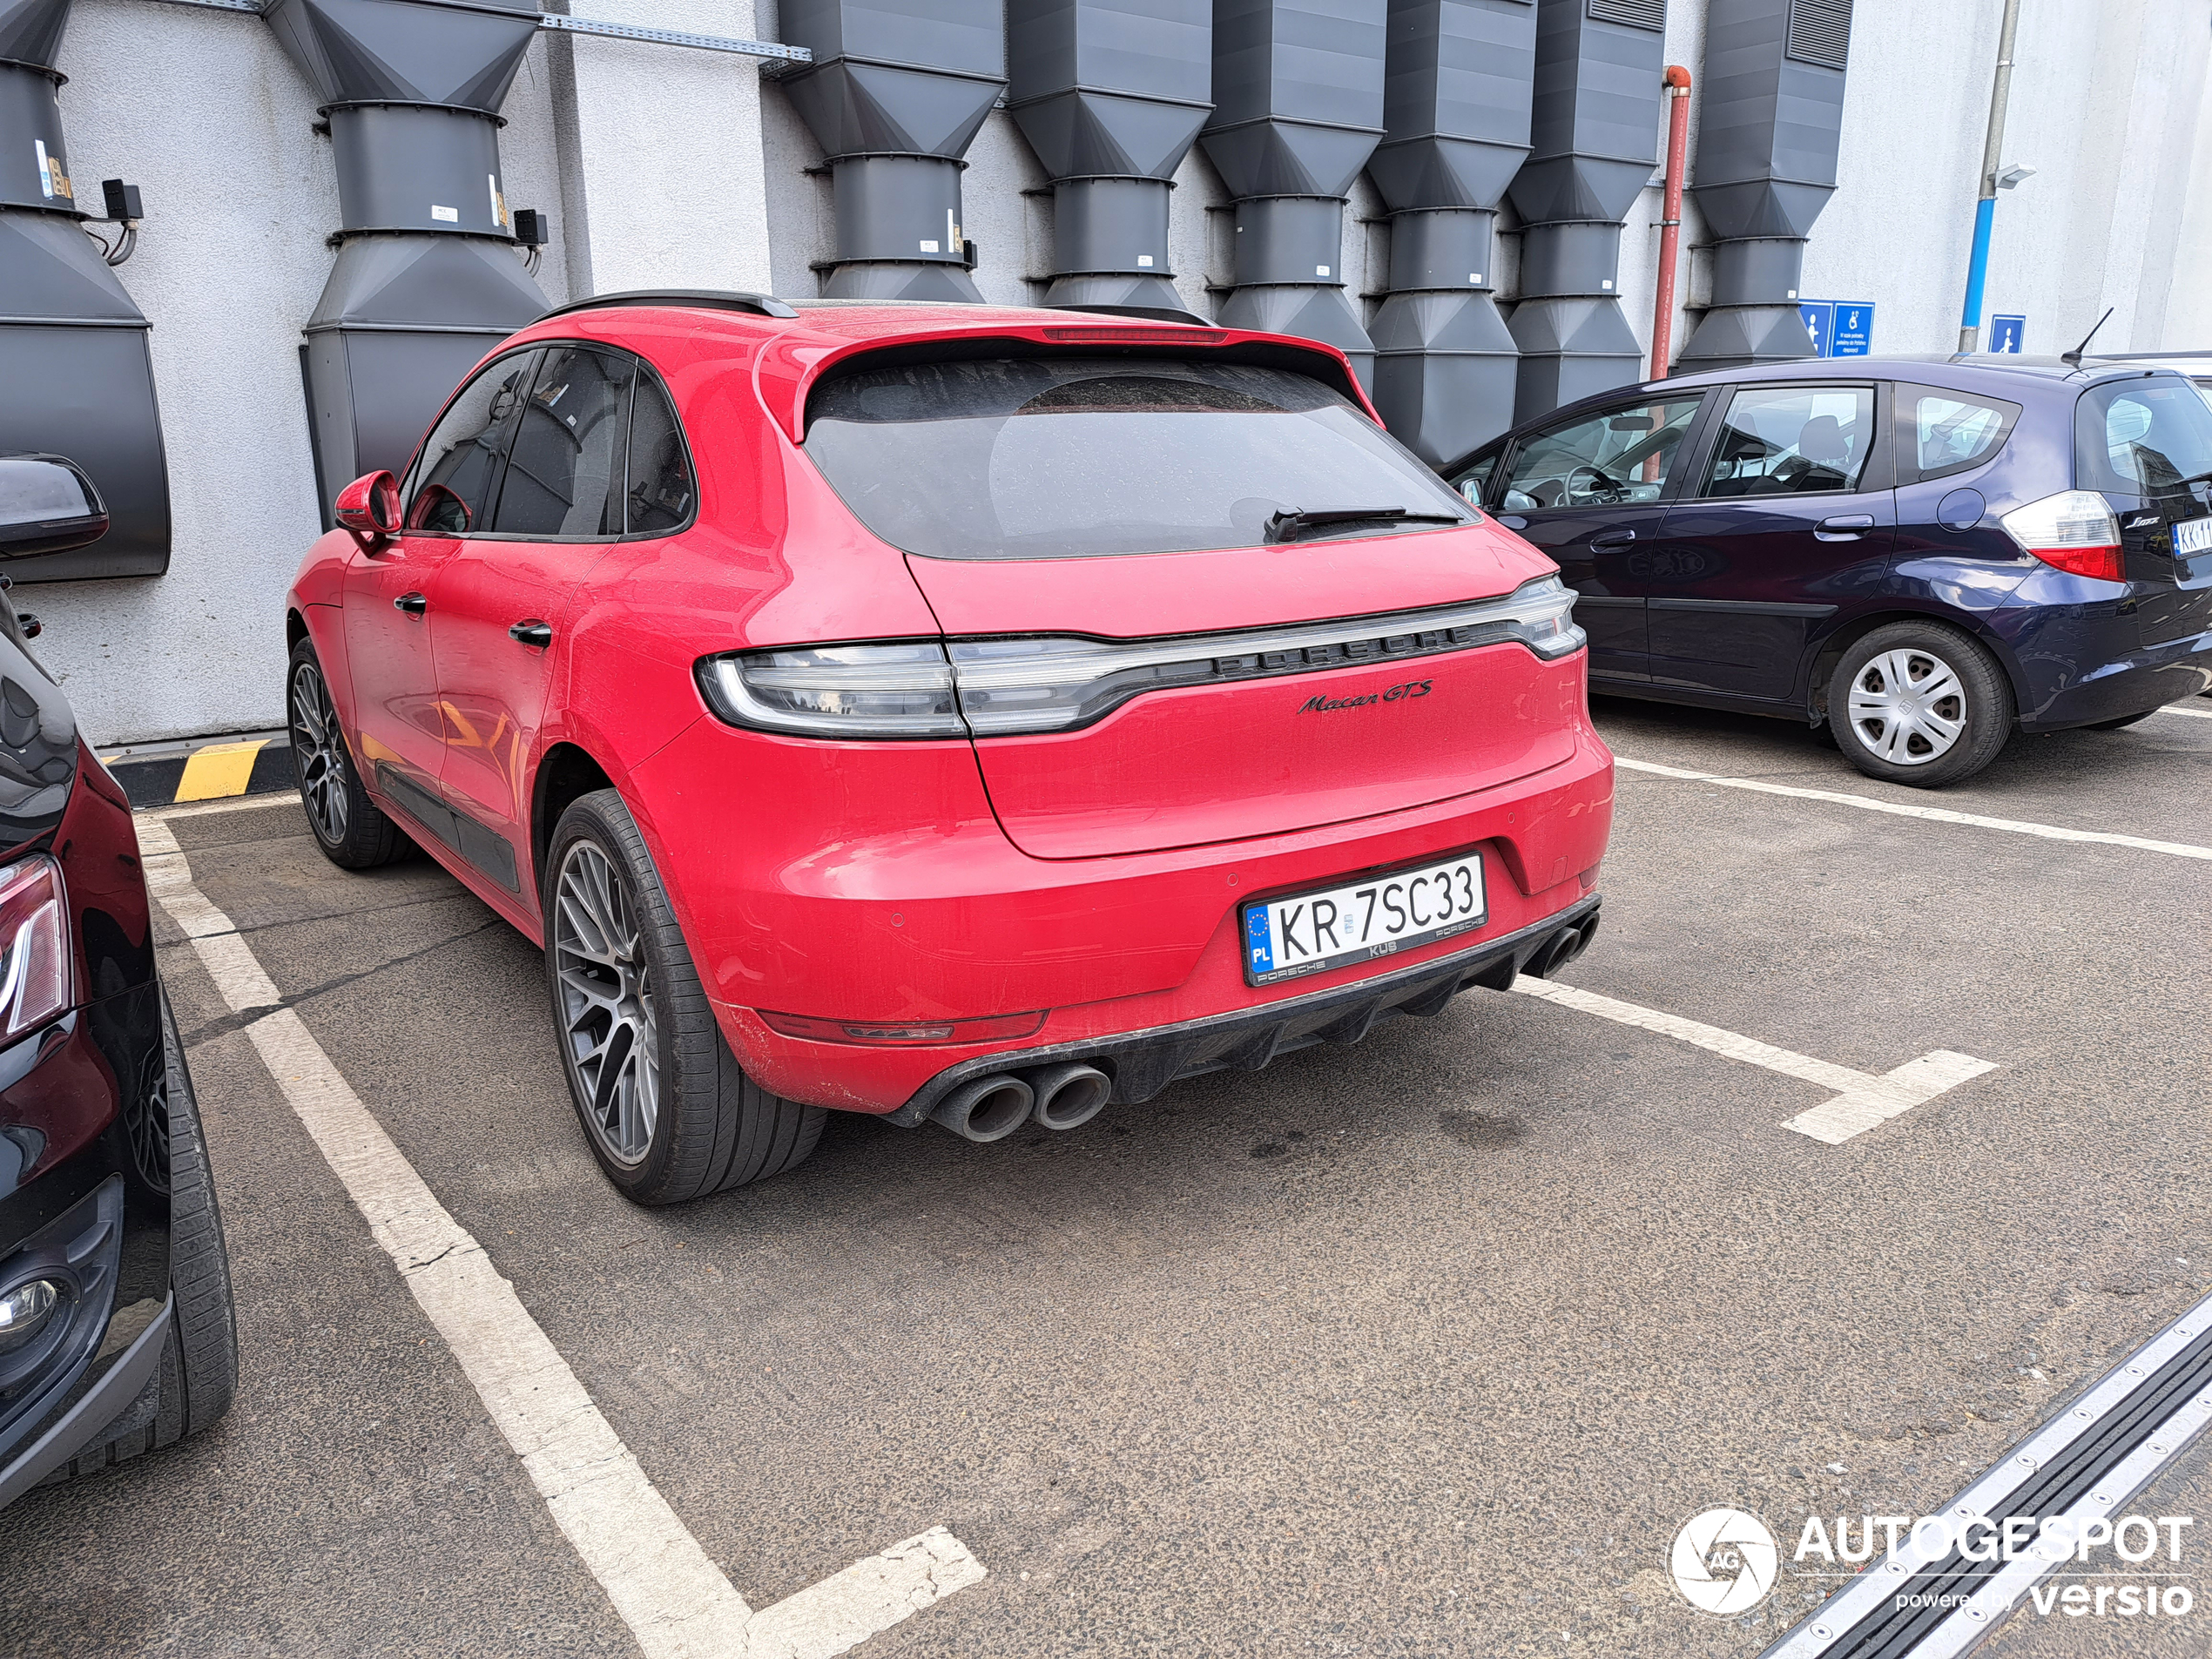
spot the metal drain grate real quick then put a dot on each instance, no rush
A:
(2090, 1459)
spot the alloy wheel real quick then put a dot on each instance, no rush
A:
(1908, 706)
(319, 753)
(606, 994)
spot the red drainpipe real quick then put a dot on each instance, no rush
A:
(1662, 319)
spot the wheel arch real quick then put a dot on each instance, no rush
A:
(1830, 649)
(566, 771)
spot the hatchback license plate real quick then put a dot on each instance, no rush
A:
(2192, 536)
(1310, 933)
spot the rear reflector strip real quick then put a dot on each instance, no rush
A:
(1930, 1599)
(996, 1027)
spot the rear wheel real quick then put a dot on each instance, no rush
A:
(668, 1113)
(351, 829)
(1919, 703)
(199, 1370)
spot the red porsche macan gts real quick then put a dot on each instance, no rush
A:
(943, 712)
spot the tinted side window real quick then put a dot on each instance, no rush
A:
(459, 467)
(662, 492)
(1946, 432)
(2142, 437)
(1624, 453)
(564, 472)
(1475, 478)
(1792, 440)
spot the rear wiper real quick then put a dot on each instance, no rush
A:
(1286, 526)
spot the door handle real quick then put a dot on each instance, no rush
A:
(531, 632)
(1612, 538)
(1844, 527)
(414, 604)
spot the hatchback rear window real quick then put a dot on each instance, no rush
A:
(1041, 458)
(2142, 437)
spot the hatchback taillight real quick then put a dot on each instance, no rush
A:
(2072, 530)
(34, 946)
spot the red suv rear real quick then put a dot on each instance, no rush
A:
(943, 712)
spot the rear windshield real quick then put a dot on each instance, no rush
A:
(2148, 437)
(1043, 458)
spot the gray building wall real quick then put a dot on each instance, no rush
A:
(658, 167)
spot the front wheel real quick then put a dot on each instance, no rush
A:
(670, 1114)
(350, 828)
(1919, 703)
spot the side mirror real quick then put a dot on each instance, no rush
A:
(47, 505)
(369, 509)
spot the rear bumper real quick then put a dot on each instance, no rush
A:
(2135, 684)
(932, 915)
(1142, 1063)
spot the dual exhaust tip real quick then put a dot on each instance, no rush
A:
(1054, 1097)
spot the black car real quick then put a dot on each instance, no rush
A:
(1926, 554)
(116, 1330)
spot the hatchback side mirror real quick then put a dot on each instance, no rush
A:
(368, 509)
(47, 505)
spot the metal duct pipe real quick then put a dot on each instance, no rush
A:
(1460, 76)
(1768, 122)
(1110, 94)
(1595, 136)
(1663, 304)
(894, 123)
(75, 375)
(1298, 90)
(426, 278)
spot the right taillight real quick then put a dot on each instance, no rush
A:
(2072, 530)
(34, 946)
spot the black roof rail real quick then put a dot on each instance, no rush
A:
(761, 304)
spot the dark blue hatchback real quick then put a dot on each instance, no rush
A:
(1926, 554)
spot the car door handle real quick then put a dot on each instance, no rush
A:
(1612, 538)
(531, 632)
(414, 604)
(1844, 527)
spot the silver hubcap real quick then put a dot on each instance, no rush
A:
(606, 1002)
(1908, 707)
(317, 753)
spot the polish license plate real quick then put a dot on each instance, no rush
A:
(1376, 916)
(2192, 536)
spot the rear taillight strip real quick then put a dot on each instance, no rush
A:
(1003, 687)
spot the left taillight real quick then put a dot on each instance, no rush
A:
(2073, 530)
(34, 946)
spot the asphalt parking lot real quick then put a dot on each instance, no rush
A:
(1428, 1345)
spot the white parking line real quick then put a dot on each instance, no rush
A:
(678, 1603)
(1862, 1099)
(2188, 714)
(1935, 814)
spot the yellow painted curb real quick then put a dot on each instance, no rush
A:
(219, 769)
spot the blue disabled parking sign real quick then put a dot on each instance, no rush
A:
(1854, 331)
(2007, 334)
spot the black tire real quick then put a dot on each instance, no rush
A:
(199, 1372)
(712, 1127)
(2124, 722)
(1978, 704)
(354, 833)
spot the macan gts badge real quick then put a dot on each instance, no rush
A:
(819, 687)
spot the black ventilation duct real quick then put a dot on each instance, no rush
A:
(1771, 116)
(75, 376)
(1110, 95)
(1297, 90)
(1455, 128)
(894, 98)
(427, 278)
(1594, 134)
